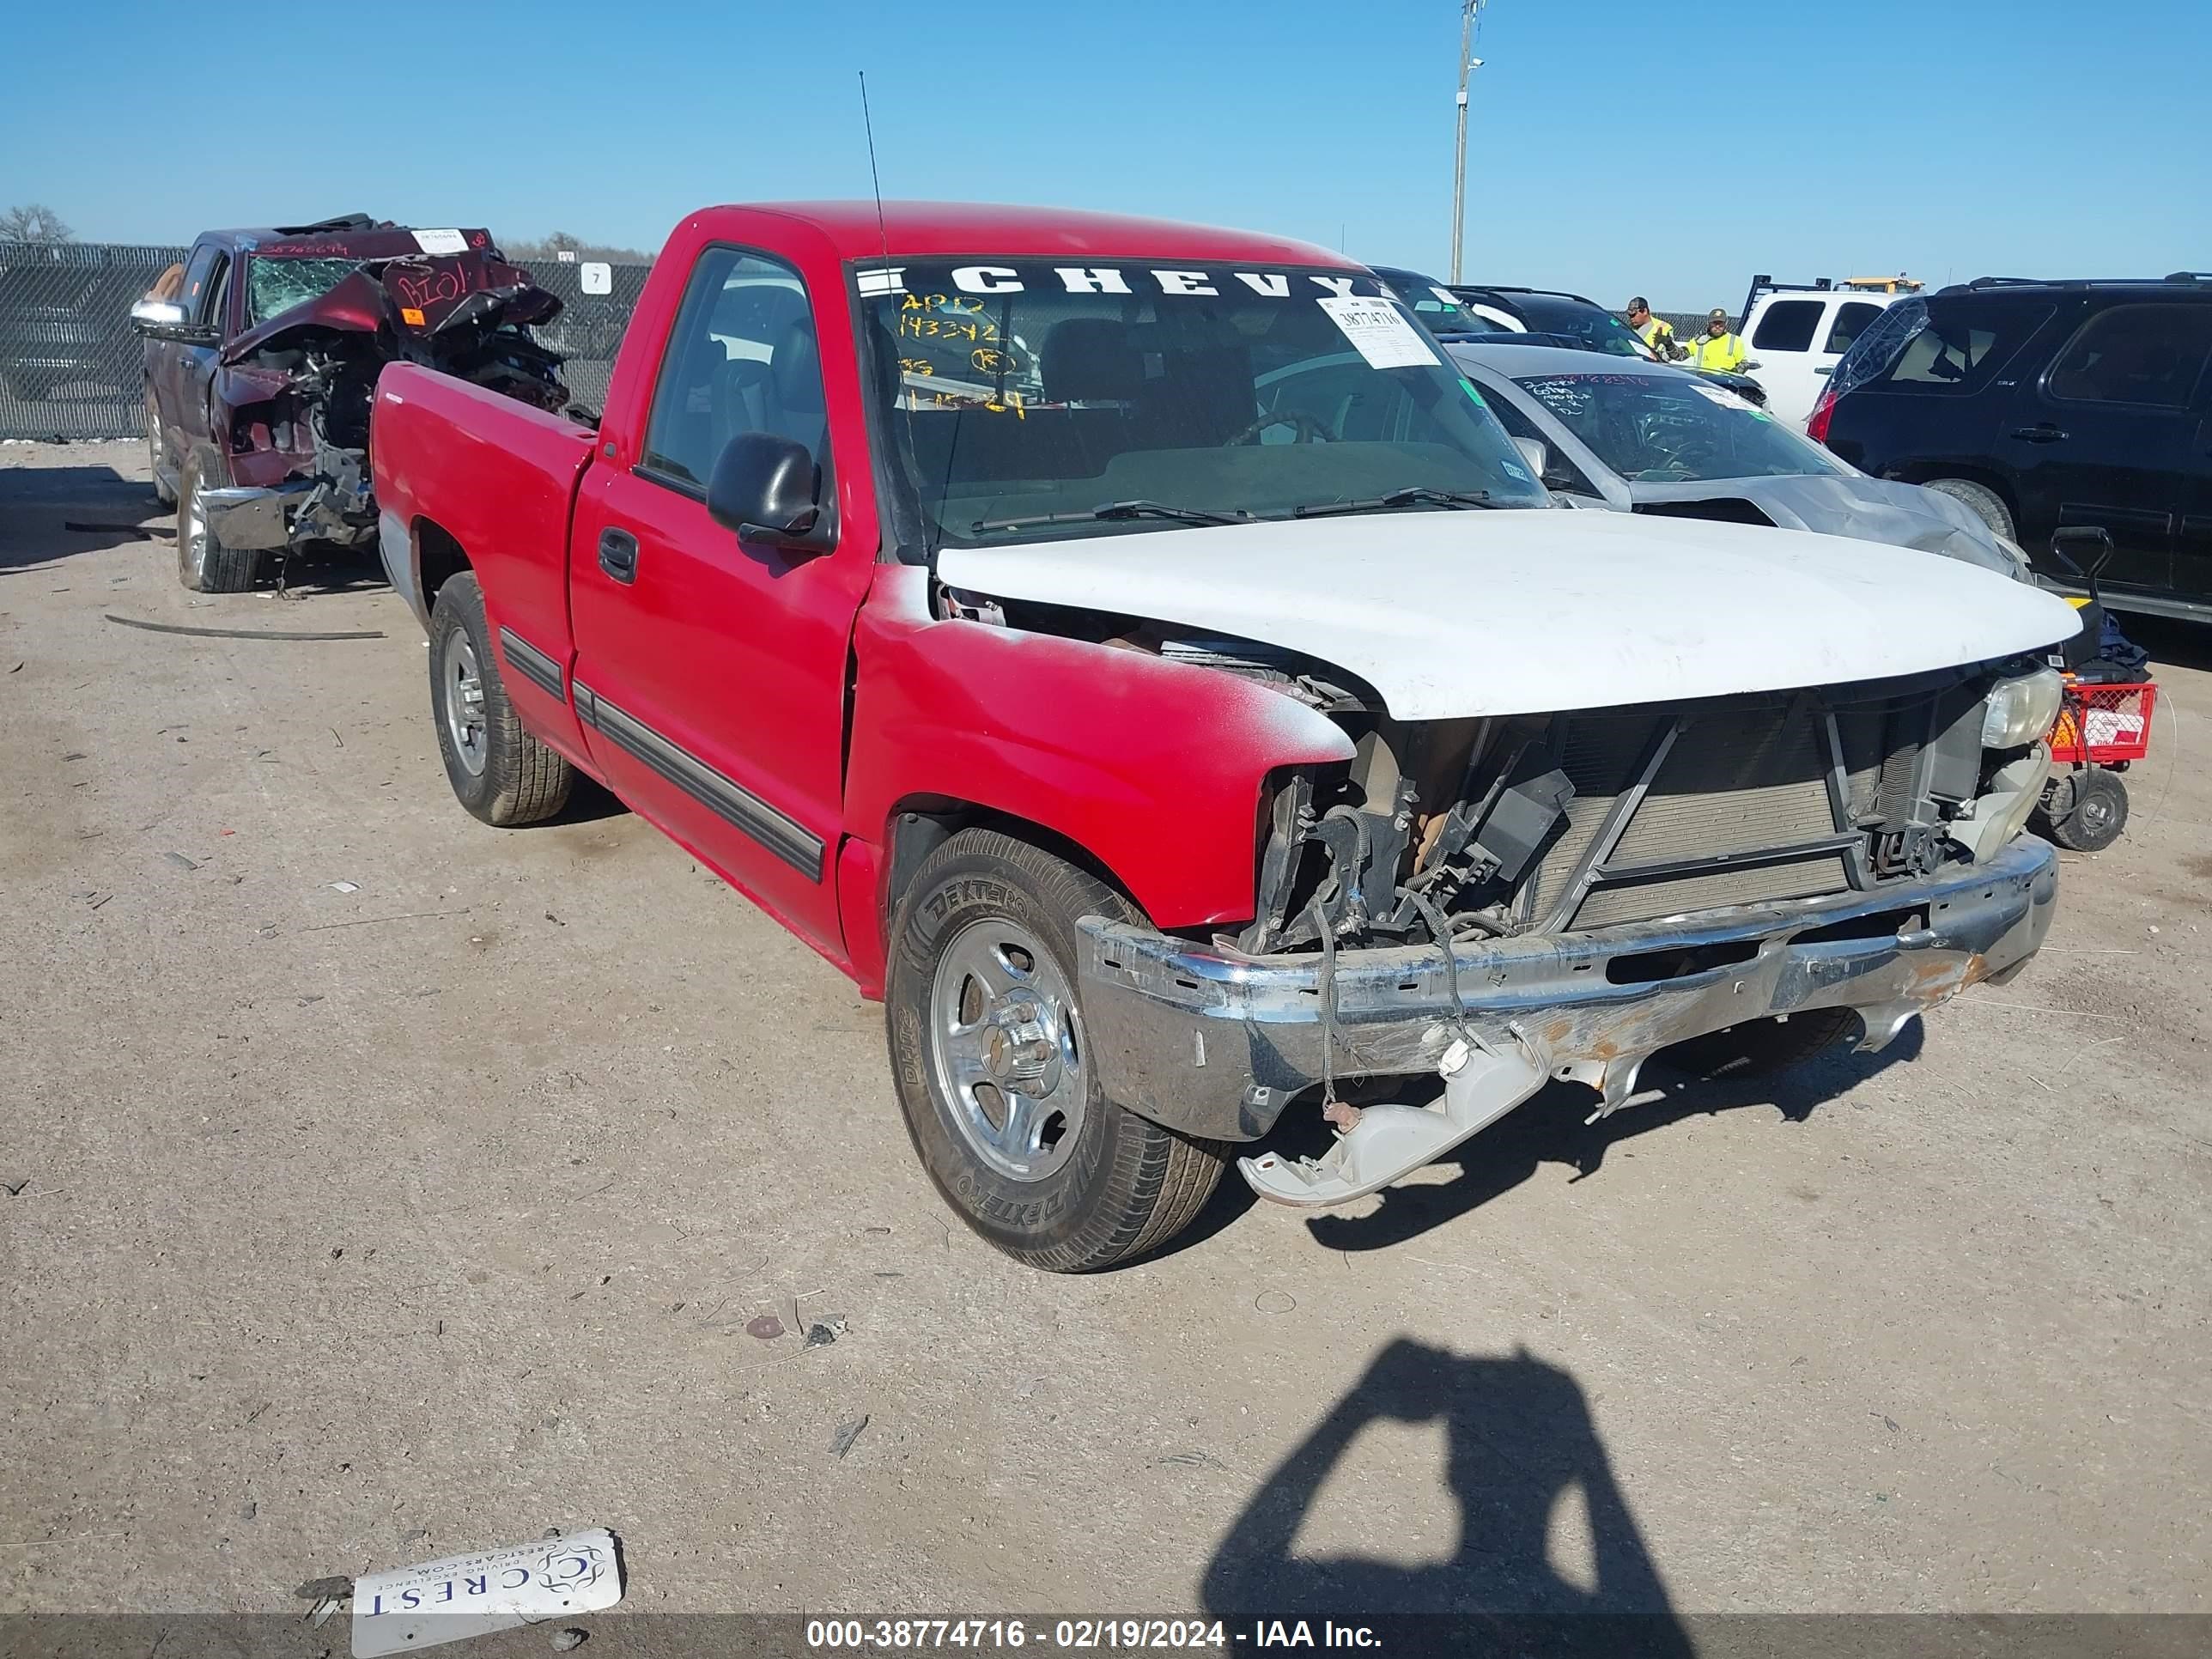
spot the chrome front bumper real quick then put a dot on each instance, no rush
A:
(1215, 1044)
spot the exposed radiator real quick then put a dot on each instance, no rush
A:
(1739, 780)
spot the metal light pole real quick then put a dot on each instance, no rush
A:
(1467, 9)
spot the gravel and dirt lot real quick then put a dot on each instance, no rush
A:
(379, 1186)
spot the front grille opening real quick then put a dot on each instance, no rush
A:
(1651, 966)
(1882, 924)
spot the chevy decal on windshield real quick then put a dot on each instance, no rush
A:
(1115, 279)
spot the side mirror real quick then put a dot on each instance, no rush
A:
(763, 489)
(1536, 453)
(166, 320)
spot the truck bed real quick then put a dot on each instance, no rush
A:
(504, 478)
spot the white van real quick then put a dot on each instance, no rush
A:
(1797, 334)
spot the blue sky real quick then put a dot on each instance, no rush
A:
(1672, 149)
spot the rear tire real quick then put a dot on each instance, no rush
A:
(1763, 1047)
(1987, 504)
(499, 771)
(2098, 815)
(156, 459)
(204, 565)
(990, 1057)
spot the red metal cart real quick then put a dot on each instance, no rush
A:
(2101, 728)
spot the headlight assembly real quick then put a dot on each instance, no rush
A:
(2020, 710)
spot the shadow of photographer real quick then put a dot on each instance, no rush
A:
(1521, 1440)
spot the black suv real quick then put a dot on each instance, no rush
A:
(2046, 404)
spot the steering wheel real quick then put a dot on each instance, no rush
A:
(1310, 428)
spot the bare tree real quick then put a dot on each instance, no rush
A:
(562, 242)
(33, 222)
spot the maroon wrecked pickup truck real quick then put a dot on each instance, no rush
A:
(260, 365)
(1134, 652)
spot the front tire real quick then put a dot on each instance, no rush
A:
(163, 493)
(993, 1073)
(499, 771)
(204, 565)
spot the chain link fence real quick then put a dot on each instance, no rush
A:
(71, 367)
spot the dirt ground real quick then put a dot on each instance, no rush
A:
(380, 1186)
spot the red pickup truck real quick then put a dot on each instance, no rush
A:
(1134, 653)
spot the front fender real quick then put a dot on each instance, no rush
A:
(1154, 768)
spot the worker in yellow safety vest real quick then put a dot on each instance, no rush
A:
(1655, 331)
(1721, 347)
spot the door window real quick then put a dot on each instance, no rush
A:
(1788, 326)
(218, 295)
(2149, 355)
(206, 261)
(743, 358)
(1851, 320)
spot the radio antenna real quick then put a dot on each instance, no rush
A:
(868, 124)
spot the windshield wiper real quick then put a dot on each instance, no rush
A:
(1115, 510)
(1420, 493)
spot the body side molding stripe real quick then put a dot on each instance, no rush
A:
(533, 664)
(792, 842)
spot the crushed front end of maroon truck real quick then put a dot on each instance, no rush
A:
(295, 390)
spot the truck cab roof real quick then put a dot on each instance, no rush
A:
(861, 229)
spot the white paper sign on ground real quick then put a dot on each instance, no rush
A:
(466, 1595)
(442, 242)
(1378, 331)
(595, 277)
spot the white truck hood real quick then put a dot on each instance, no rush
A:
(1454, 614)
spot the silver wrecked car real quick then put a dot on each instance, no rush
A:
(1639, 437)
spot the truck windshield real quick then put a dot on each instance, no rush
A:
(1673, 427)
(1024, 401)
(273, 287)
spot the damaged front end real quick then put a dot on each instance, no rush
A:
(1502, 902)
(292, 395)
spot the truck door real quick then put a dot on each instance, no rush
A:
(2106, 436)
(710, 673)
(2192, 547)
(181, 373)
(1781, 340)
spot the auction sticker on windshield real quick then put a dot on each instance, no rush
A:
(466, 1595)
(1380, 333)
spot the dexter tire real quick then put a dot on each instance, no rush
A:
(994, 1077)
(204, 565)
(1761, 1048)
(499, 771)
